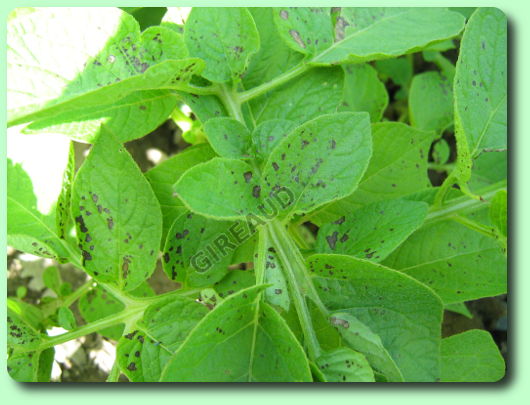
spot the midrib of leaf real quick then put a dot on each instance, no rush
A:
(254, 334)
(355, 34)
(486, 127)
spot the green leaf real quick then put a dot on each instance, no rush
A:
(268, 134)
(66, 319)
(277, 293)
(118, 218)
(459, 308)
(274, 56)
(56, 77)
(225, 37)
(441, 152)
(361, 338)
(369, 33)
(28, 229)
(97, 304)
(458, 263)
(204, 107)
(398, 167)
(234, 281)
(163, 176)
(143, 353)
(20, 332)
(363, 91)
(31, 366)
(232, 185)
(131, 117)
(431, 102)
(146, 16)
(240, 340)
(481, 88)
(62, 210)
(471, 356)
(374, 231)
(499, 211)
(52, 279)
(312, 94)
(198, 250)
(229, 137)
(345, 365)
(328, 337)
(489, 168)
(320, 161)
(403, 312)
(305, 29)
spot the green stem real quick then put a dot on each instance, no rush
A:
(463, 204)
(295, 272)
(201, 91)
(68, 301)
(111, 320)
(231, 101)
(277, 81)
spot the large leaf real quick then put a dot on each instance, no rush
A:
(232, 186)
(118, 218)
(143, 352)
(312, 94)
(28, 229)
(481, 88)
(471, 356)
(320, 161)
(370, 33)
(103, 62)
(398, 167)
(455, 261)
(163, 176)
(240, 340)
(225, 37)
(363, 91)
(274, 56)
(130, 117)
(431, 102)
(373, 231)
(403, 312)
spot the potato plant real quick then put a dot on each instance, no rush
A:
(301, 235)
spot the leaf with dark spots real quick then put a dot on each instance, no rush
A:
(283, 358)
(162, 328)
(363, 230)
(228, 196)
(224, 37)
(111, 236)
(229, 137)
(193, 263)
(312, 166)
(332, 240)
